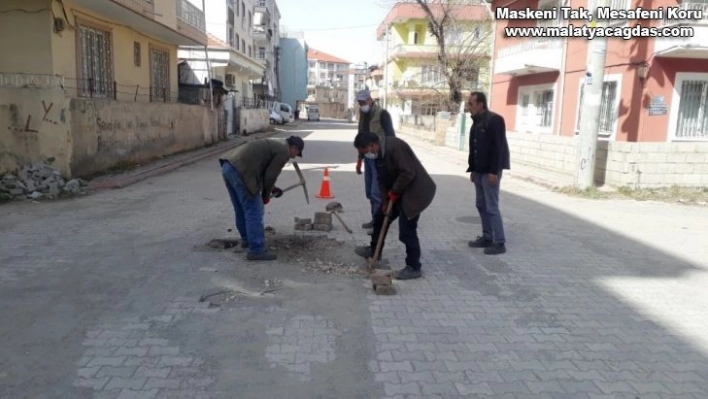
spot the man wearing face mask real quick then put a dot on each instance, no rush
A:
(408, 186)
(250, 172)
(374, 119)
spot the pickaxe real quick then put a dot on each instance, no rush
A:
(300, 183)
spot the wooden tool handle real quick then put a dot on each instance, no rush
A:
(382, 233)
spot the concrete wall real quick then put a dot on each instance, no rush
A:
(635, 165)
(106, 133)
(253, 120)
(33, 53)
(38, 121)
(34, 125)
(429, 128)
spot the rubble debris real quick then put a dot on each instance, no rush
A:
(385, 290)
(382, 281)
(318, 254)
(37, 181)
(225, 243)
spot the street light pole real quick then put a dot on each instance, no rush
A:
(586, 144)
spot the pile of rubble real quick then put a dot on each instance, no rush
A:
(323, 222)
(38, 181)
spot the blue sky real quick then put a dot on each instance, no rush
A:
(346, 29)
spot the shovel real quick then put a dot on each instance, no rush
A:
(384, 229)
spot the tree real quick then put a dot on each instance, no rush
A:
(462, 30)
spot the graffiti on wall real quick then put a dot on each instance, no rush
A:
(29, 126)
(144, 132)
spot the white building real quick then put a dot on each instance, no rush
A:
(266, 35)
(237, 53)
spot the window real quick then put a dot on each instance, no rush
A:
(415, 37)
(262, 3)
(160, 74)
(609, 106)
(535, 109)
(238, 40)
(323, 65)
(243, 45)
(548, 5)
(231, 35)
(250, 20)
(261, 54)
(692, 116)
(136, 54)
(431, 75)
(96, 65)
(250, 51)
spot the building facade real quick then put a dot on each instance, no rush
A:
(413, 76)
(292, 73)
(93, 83)
(328, 83)
(655, 90)
(266, 35)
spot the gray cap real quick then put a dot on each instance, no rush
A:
(363, 95)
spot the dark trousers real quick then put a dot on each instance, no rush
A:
(407, 234)
(488, 207)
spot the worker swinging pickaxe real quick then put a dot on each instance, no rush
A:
(279, 193)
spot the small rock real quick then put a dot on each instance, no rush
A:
(73, 186)
(35, 195)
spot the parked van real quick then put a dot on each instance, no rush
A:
(285, 111)
(313, 113)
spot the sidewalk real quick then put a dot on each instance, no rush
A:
(172, 162)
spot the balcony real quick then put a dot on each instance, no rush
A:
(685, 47)
(529, 57)
(262, 33)
(413, 51)
(180, 24)
(261, 15)
(190, 21)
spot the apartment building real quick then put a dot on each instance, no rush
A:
(655, 90)
(266, 34)
(293, 79)
(414, 78)
(231, 48)
(92, 83)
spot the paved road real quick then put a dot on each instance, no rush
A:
(100, 296)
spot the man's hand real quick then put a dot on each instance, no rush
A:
(266, 200)
(358, 166)
(393, 196)
(276, 192)
(493, 179)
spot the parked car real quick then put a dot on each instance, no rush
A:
(284, 110)
(275, 118)
(313, 113)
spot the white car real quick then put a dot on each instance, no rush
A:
(275, 118)
(313, 113)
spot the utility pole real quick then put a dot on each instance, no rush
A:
(385, 71)
(586, 144)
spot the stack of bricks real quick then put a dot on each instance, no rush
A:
(382, 281)
(323, 222)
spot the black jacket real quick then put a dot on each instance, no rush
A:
(489, 150)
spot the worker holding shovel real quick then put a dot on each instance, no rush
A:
(405, 186)
(250, 172)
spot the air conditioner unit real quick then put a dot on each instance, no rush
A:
(230, 80)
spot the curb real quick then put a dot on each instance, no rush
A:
(199, 155)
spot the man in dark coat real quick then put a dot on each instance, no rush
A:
(488, 157)
(250, 172)
(404, 181)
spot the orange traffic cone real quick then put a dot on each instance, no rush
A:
(325, 192)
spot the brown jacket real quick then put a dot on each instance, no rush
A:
(401, 172)
(259, 162)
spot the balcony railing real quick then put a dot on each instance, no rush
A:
(189, 13)
(528, 45)
(701, 7)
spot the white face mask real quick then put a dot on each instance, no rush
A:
(365, 108)
(370, 155)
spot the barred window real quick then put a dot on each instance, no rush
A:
(160, 75)
(96, 59)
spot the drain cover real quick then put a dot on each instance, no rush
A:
(469, 219)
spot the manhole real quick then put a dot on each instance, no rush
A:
(219, 298)
(469, 219)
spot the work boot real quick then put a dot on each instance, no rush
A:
(408, 273)
(261, 256)
(366, 252)
(480, 242)
(368, 225)
(495, 249)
